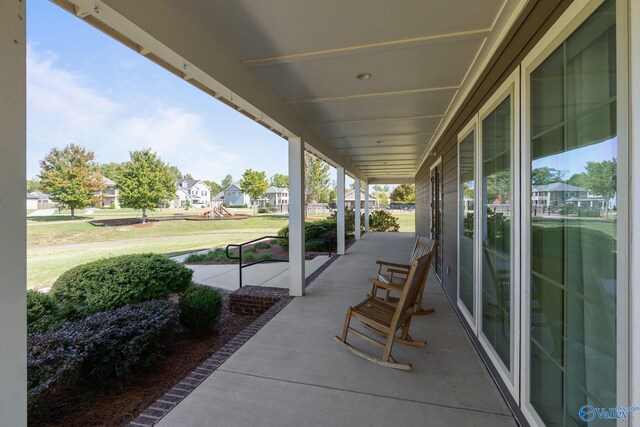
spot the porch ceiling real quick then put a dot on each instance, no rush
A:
(307, 56)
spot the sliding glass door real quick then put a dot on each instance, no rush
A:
(467, 222)
(497, 223)
(572, 225)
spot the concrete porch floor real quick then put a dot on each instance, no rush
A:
(293, 373)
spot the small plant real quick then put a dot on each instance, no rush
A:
(264, 257)
(262, 245)
(218, 254)
(249, 255)
(112, 205)
(43, 312)
(200, 309)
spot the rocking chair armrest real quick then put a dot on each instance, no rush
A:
(393, 264)
(391, 287)
(397, 271)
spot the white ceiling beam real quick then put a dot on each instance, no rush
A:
(370, 95)
(378, 120)
(387, 180)
(350, 50)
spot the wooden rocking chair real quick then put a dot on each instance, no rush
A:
(395, 276)
(386, 319)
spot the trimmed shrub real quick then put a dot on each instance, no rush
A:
(264, 257)
(43, 312)
(316, 246)
(200, 309)
(262, 245)
(312, 231)
(249, 256)
(103, 346)
(382, 221)
(115, 282)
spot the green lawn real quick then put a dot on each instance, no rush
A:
(55, 244)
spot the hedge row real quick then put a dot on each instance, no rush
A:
(111, 344)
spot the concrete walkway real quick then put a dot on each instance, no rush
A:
(292, 372)
(266, 274)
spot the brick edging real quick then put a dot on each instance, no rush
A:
(161, 407)
(165, 403)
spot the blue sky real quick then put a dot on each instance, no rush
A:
(85, 88)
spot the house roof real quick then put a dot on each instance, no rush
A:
(349, 196)
(277, 190)
(220, 195)
(233, 187)
(108, 181)
(190, 183)
(557, 186)
(38, 195)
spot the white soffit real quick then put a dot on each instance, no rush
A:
(295, 63)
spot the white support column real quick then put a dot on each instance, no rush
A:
(296, 217)
(356, 206)
(366, 208)
(633, 203)
(340, 211)
(13, 259)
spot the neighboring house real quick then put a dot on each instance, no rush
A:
(350, 200)
(234, 196)
(560, 193)
(218, 199)
(277, 196)
(37, 200)
(192, 191)
(108, 194)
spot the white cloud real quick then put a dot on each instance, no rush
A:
(66, 107)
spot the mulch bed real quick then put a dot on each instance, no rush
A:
(119, 402)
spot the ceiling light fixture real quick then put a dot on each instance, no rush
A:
(379, 142)
(363, 76)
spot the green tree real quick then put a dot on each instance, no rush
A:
(188, 177)
(254, 183)
(227, 181)
(546, 175)
(70, 176)
(578, 179)
(404, 193)
(279, 180)
(110, 170)
(176, 175)
(383, 197)
(316, 179)
(33, 185)
(601, 180)
(381, 188)
(145, 182)
(499, 187)
(214, 186)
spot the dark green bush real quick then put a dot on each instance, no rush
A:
(200, 309)
(114, 282)
(382, 221)
(264, 257)
(111, 344)
(262, 245)
(249, 256)
(43, 312)
(315, 246)
(312, 231)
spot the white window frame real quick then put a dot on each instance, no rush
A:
(578, 12)
(509, 375)
(471, 127)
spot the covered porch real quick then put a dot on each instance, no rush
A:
(292, 372)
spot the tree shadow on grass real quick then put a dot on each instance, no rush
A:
(50, 218)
